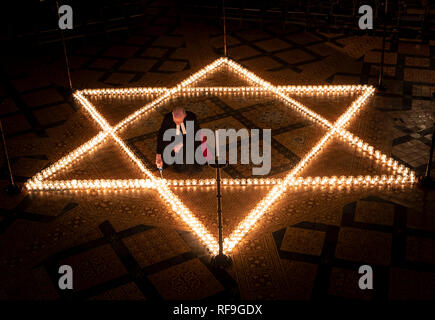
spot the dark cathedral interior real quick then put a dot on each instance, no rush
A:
(332, 200)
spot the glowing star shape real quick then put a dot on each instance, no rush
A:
(401, 175)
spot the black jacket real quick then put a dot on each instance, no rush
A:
(169, 123)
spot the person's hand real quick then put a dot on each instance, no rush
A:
(159, 161)
(178, 147)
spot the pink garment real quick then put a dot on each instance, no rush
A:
(205, 149)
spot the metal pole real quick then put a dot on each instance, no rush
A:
(381, 72)
(426, 181)
(221, 260)
(429, 164)
(225, 29)
(12, 188)
(64, 51)
(219, 208)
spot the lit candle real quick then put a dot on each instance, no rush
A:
(217, 143)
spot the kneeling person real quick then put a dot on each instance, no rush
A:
(177, 120)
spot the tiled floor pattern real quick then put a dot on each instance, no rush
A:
(129, 246)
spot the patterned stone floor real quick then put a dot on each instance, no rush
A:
(128, 245)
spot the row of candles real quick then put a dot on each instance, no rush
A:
(107, 184)
(289, 89)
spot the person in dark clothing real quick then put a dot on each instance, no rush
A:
(177, 120)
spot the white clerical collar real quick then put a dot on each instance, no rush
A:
(177, 130)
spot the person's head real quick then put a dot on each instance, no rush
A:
(178, 115)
